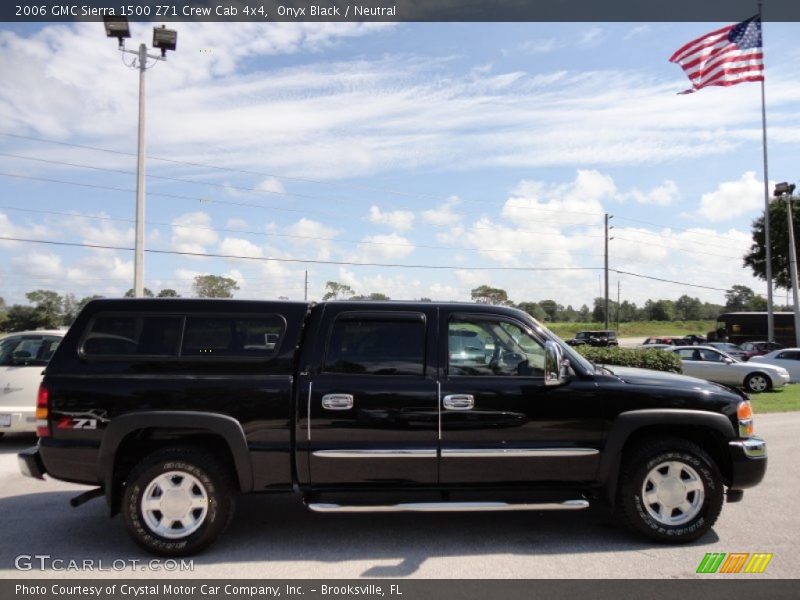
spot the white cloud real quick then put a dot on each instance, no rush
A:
(384, 247)
(271, 185)
(733, 198)
(38, 264)
(192, 232)
(239, 247)
(401, 220)
(444, 215)
(661, 195)
(312, 235)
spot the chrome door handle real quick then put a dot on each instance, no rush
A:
(337, 401)
(459, 402)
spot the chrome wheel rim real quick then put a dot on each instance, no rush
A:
(174, 504)
(757, 383)
(673, 493)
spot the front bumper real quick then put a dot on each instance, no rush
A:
(748, 462)
(30, 463)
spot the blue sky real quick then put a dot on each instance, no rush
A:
(471, 146)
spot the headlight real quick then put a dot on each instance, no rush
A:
(745, 415)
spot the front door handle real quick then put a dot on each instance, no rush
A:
(459, 402)
(337, 401)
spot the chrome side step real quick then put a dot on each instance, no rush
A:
(323, 507)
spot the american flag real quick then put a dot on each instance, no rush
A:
(724, 57)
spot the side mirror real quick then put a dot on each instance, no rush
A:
(555, 370)
(729, 361)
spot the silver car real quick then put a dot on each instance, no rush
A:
(709, 363)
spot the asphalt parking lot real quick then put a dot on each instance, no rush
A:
(275, 537)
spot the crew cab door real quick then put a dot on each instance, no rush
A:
(500, 423)
(371, 399)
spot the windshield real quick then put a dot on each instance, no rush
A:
(568, 350)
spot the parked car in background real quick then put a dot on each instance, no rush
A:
(788, 358)
(594, 338)
(752, 349)
(709, 363)
(656, 346)
(695, 339)
(22, 358)
(729, 349)
(669, 340)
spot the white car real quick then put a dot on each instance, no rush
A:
(23, 357)
(711, 364)
(788, 358)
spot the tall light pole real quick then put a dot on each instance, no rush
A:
(163, 39)
(607, 217)
(784, 190)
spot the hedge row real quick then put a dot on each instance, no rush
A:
(657, 360)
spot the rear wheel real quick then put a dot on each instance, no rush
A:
(670, 490)
(757, 383)
(177, 501)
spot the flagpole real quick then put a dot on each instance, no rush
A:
(768, 270)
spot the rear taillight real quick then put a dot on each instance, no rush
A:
(745, 415)
(42, 411)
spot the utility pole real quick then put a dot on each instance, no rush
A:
(607, 217)
(163, 39)
(305, 293)
(786, 190)
(617, 305)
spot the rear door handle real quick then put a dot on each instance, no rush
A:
(459, 402)
(337, 401)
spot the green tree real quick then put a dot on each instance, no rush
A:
(659, 310)
(584, 314)
(486, 294)
(739, 297)
(688, 308)
(49, 305)
(534, 309)
(131, 293)
(337, 291)
(214, 286)
(756, 258)
(376, 296)
(550, 307)
(23, 318)
(168, 293)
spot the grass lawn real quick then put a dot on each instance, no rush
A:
(783, 400)
(636, 328)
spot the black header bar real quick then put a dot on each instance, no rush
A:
(399, 10)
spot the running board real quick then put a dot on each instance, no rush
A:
(323, 507)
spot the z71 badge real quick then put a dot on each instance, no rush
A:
(76, 423)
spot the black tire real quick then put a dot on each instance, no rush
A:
(753, 383)
(213, 478)
(643, 460)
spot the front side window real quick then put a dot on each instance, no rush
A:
(133, 335)
(492, 347)
(373, 346)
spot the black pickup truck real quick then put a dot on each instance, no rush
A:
(170, 408)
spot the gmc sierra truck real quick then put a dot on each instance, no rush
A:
(170, 408)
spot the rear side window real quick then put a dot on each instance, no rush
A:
(254, 337)
(133, 335)
(377, 346)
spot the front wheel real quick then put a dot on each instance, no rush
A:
(177, 501)
(670, 490)
(757, 382)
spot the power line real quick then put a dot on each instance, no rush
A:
(226, 186)
(689, 231)
(241, 204)
(285, 177)
(357, 264)
(299, 260)
(282, 235)
(676, 249)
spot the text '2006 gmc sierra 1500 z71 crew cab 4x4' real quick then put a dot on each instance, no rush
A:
(171, 408)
